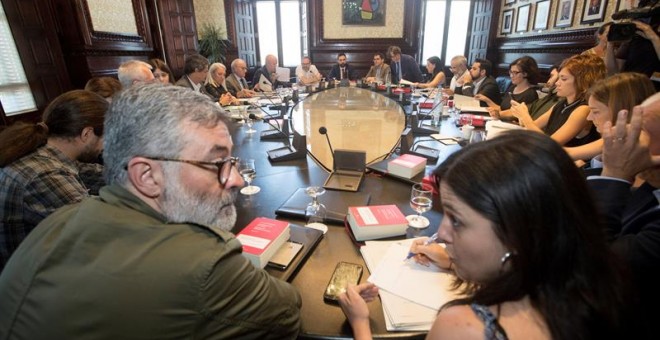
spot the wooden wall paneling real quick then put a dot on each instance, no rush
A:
(246, 32)
(90, 53)
(360, 51)
(230, 20)
(484, 21)
(35, 34)
(546, 49)
(179, 32)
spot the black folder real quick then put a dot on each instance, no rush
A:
(336, 204)
(309, 238)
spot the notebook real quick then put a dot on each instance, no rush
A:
(336, 204)
(348, 170)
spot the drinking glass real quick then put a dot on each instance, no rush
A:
(315, 211)
(421, 200)
(477, 136)
(248, 121)
(248, 171)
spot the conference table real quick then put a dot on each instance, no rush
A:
(356, 119)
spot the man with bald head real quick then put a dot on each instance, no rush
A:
(236, 83)
(134, 72)
(269, 71)
(152, 257)
(628, 198)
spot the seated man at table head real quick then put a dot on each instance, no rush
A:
(47, 165)
(627, 196)
(342, 69)
(236, 83)
(458, 66)
(531, 266)
(269, 71)
(152, 257)
(215, 85)
(403, 66)
(195, 69)
(307, 73)
(380, 71)
(134, 72)
(478, 80)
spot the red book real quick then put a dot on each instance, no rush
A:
(406, 165)
(376, 221)
(262, 238)
(426, 105)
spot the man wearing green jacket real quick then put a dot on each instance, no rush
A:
(151, 257)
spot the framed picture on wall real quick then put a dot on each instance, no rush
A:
(509, 2)
(542, 15)
(565, 11)
(523, 18)
(507, 21)
(594, 11)
(626, 4)
(363, 13)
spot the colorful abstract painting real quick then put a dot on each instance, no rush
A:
(363, 12)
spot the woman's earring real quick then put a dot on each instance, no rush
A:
(505, 257)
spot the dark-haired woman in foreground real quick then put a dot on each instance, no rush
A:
(521, 236)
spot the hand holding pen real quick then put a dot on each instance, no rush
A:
(430, 252)
(425, 243)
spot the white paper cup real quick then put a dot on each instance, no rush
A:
(467, 131)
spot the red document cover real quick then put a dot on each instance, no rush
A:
(261, 238)
(426, 105)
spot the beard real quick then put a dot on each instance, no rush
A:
(181, 205)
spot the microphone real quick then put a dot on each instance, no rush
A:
(423, 151)
(278, 132)
(324, 131)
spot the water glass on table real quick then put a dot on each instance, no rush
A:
(421, 200)
(248, 171)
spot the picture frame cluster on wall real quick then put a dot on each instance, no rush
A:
(565, 13)
(540, 18)
(593, 11)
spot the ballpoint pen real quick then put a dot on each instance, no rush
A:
(428, 241)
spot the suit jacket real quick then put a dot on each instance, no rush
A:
(488, 88)
(409, 70)
(184, 81)
(384, 71)
(232, 84)
(215, 92)
(335, 73)
(632, 222)
(263, 70)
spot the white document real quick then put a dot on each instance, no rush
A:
(427, 286)
(405, 82)
(462, 100)
(283, 74)
(264, 84)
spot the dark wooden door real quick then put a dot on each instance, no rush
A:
(246, 40)
(178, 31)
(484, 21)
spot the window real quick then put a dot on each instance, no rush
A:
(437, 28)
(285, 15)
(15, 94)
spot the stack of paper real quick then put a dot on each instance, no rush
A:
(411, 294)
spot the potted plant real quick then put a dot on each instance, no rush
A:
(212, 45)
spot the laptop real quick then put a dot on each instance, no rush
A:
(348, 170)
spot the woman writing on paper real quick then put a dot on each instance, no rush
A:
(521, 258)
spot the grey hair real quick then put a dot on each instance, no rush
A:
(146, 120)
(212, 68)
(235, 62)
(461, 59)
(132, 70)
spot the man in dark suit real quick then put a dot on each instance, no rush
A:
(631, 218)
(269, 71)
(478, 81)
(341, 70)
(195, 70)
(403, 66)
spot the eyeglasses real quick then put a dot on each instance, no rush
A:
(514, 73)
(224, 166)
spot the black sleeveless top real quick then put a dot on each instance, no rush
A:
(560, 114)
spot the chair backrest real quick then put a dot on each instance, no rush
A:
(503, 83)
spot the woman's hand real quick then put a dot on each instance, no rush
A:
(521, 112)
(483, 98)
(353, 303)
(431, 253)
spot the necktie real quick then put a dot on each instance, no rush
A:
(398, 70)
(243, 84)
(341, 74)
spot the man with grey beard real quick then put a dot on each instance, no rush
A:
(152, 256)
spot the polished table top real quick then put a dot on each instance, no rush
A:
(279, 180)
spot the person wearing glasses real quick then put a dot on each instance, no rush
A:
(307, 73)
(153, 256)
(524, 73)
(236, 83)
(458, 66)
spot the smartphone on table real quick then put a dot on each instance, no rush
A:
(345, 273)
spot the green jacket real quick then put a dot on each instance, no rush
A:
(111, 267)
